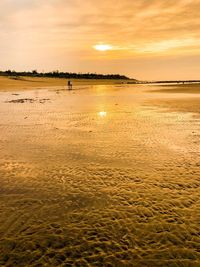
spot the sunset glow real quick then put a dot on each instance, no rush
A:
(99, 133)
(142, 39)
(103, 47)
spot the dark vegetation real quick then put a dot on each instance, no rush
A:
(58, 74)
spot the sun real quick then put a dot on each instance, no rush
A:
(102, 47)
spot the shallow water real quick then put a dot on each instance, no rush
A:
(96, 176)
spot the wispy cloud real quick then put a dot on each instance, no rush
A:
(169, 45)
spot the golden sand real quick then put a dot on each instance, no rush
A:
(99, 176)
(24, 83)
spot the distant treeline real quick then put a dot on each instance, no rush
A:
(67, 75)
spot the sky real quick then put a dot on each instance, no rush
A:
(143, 39)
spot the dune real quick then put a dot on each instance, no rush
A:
(98, 177)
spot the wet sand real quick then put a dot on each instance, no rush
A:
(188, 101)
(27, 83)
(104, 175)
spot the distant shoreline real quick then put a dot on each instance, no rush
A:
(101, 78)
(13, 83)
(166, 82)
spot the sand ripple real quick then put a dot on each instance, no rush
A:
(78, 189)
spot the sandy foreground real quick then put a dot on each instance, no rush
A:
(104, 175)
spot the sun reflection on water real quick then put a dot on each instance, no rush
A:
(102, 114)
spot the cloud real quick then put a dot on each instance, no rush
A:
(71, 28)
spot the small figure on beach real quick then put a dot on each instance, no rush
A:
(69, 85)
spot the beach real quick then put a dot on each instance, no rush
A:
(107, 174)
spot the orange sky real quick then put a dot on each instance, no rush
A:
(148, 39)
